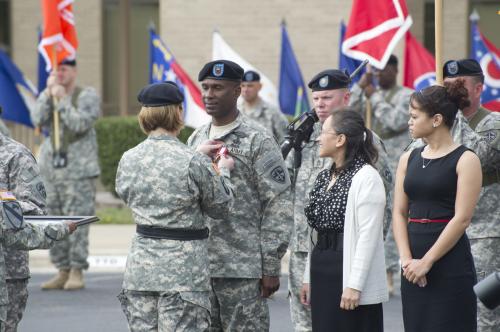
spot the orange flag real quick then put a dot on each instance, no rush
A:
(59, 40)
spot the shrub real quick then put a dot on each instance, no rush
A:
(115, 135)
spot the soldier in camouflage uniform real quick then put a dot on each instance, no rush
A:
(70, 189)
(479, 130)
(330, 92)
(257, 109)
(170, 188)
(390, 104)
(19, 174)
(246, 246)
(17, 260)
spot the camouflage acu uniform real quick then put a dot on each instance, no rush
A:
(390, 114)
(166, 282)
(3, 129)
(70, 190)
(251, 240)
(483, 137)
(19, 174)
(303, 181)
(267, 116)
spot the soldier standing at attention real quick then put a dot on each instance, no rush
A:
(257, 109)
(330, 91)
(29, 189)
(70, 186)
(170, 189)
(20, 176)
(390, 106)
(479, 130)
(245, 246)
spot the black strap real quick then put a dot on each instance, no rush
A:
(180, 234)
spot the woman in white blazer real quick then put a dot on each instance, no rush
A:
(345, 280)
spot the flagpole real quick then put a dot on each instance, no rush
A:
(368, 114)
(57, 139)
(438, 25)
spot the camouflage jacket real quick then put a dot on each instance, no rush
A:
(484, 140)
(166, 184)
(3, 129)
(390, 114)
(305, 177)
(29, 238)
(267, 116)
(77, 134)
(251, 240)
(19, 174)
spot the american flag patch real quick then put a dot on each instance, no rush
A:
(7, 196)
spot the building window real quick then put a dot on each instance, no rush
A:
(142, 14)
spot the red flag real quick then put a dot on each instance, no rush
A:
(59, 33)
(419, 70)
(374, 29)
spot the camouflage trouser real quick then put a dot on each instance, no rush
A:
(18, 297)
(165, 311)
(74, 198)
(238, 306)
(301, 315)
(486, 253)
(391, 253)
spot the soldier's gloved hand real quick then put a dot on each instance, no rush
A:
(58, 91)
(209, 147)
(269, 285)
(365, 80)
(227, 162)
(71, 226)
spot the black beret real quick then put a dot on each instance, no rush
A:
(221, 70)
(68, 62)
(160, 94)
(464, 67)
(251, 76)
(329, 79)
(393, 60)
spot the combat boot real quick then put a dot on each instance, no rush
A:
(58, 281)
(75, 280)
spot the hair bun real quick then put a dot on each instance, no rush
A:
(457, 93)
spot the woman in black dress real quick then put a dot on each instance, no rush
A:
(437, 188)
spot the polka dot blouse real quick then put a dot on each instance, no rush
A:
(326, 208)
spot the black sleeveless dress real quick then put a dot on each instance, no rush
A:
(448, 302)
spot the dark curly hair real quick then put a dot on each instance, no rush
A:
(359, 142)
(445, 100)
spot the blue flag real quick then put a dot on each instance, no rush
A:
(15, 93)
(346, 62)
(42, 68)
(292, 91)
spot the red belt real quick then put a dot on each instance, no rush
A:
(425, 221)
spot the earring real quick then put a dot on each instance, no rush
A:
(434, 125)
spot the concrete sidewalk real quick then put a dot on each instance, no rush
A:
(108, 249)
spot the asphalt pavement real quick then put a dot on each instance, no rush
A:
(97, 309)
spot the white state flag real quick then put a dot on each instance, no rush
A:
(222, 51)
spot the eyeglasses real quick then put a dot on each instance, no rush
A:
(329, 132)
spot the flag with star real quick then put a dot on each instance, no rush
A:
(488, 56)
(164, 67)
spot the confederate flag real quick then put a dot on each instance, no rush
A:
(59, 35)
(374, 29)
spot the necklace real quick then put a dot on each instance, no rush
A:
(424, 165)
